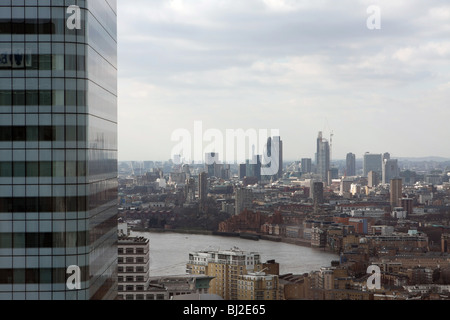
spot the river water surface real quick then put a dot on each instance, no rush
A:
(169, 252)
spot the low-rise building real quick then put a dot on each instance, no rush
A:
(258, 286)
(179, 285)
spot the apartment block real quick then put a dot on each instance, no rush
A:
(134, 267)
(244, 199)
(258, 286)
(226, 267)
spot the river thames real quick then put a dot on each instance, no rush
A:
(169, 252)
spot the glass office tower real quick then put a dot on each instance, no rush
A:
(323, 158)
(58, 148)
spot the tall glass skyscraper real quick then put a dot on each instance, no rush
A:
(372, 162)
(323, 158)
(350, 165)
(58, 148)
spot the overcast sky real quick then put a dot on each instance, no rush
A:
(299, 66)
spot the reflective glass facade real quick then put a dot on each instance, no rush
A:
(58, 149)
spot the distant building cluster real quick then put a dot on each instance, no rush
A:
(370, 211)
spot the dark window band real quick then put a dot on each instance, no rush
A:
(27, 26)
(38, 275)
(57, 204)
(42, 133)
(31, 240)
(42, 97)
(35, 169)
(43, 204)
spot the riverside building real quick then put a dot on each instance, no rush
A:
(259, 286)
(227, 267)
(134, 268)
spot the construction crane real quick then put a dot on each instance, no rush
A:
(327, 125)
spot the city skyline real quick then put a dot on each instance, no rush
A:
(296, 66)
(78, 206)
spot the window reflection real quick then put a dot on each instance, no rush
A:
(57, 62)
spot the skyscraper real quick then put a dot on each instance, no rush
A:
(350, 165)
(396, 192)
(390, 170)
(372, 162)
(280, 158)
(58, 140)
(242, 171)
(317, 193)
(253, 168)
(306, 165)
(275, 151)
(323, 158)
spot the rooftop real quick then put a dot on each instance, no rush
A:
(132, 240)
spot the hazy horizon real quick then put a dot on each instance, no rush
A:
(296, 66)
(420, 159)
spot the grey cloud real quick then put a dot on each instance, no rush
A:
(216, 57)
